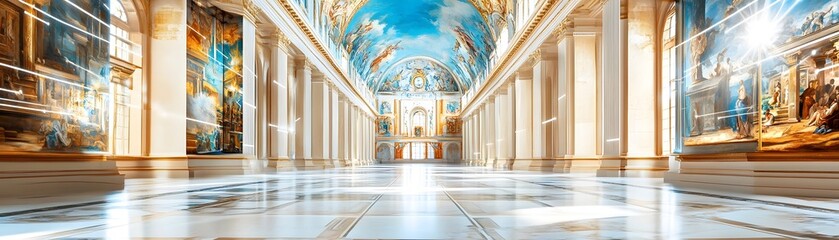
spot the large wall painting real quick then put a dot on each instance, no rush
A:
(720, 80)
(384, 32)
(56, 97)
(766, 74)
(214, 80)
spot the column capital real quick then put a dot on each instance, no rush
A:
(563, 30)
(252, 12)
(281, 41)
(535, 57)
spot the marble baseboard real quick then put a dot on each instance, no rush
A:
(192, 166)
(760, 173)
(36, 174)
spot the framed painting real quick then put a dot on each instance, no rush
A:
(10, 33)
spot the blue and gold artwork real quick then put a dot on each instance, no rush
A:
(382, 33)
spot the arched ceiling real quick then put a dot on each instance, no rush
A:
(459, 34)
(418, 75)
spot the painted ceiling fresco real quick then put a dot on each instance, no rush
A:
(418, 75)
(378, 34)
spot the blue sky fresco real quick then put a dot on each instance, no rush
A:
(384, 32)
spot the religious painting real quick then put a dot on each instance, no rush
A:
(453, 125)
(418, 75)
(453, 107)
(385, 106)
(59, 101)
(382, 34)
(721, 77)
(384, 126)
(778, 48)
(214, 80)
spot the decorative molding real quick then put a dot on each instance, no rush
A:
(283, 43)
(252, 12)
(515, 46)
(562, 31)
(289, 9)
(535, 57)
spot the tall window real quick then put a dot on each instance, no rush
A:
(668, 84)
(120, 44)
(418, 150)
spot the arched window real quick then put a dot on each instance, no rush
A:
(668, 83)
(418, 123)
(118, 11)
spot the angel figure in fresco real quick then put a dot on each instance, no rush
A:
(384, 56)
(815, 21)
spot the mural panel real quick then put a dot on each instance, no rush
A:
(56, 97)
(720, 78)
(783, 49)
(214, 80)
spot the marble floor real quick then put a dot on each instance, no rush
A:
(416, 201)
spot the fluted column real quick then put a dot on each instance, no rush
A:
(320, 139)
(491, 128)
(334, 119)
(613, 88)
(352, 144)
(564, 132)
(278, 117)
(524, 121)
(304, 115)
(507, 131)
(499, 142)
(583, 102)
(544, 74)
(343, 131)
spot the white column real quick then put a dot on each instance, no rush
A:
(304, 112)
(279, 117)
(613, 89)
(564, 133)
(491, 127)
(351, 143)
(248, 87)
(584, 96)
(334, 123)
(524, 121)
(343, 130)
(500, 125)
(543, 119)
(320, 120)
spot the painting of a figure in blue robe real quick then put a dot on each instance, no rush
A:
(752, 71)
(69, 110)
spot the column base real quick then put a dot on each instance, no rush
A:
(789, 174)
(47, 174)
(281, 164)
(313, 164)
(540, 165)
(504, 164)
